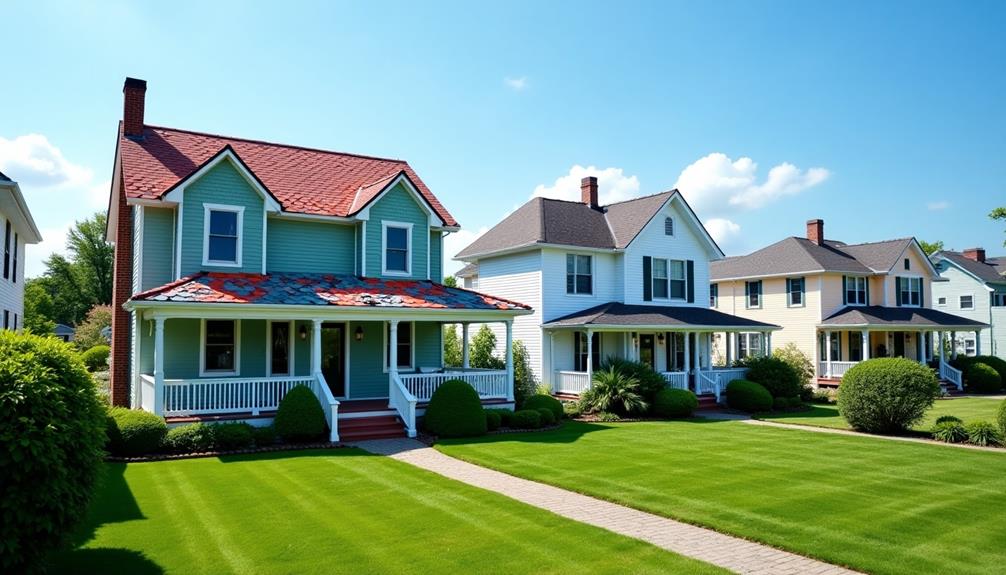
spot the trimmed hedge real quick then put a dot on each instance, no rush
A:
(670, 403)
(748, 396)
(264, 436)
(981, 378)
(545, 401)
(133, 432)
(775, 375)
(455, 411)
(52, 430)
(300, 417)
(190, 438)
(506, 416)
(886, 395)
(527, 419)
(96, 358)
(233, 436)
(493, 420)
(547, 417)
(995, 363)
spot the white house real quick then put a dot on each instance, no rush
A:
(17, 228)
(631, 278)
(975, 288)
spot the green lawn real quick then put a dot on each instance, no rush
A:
(872, 504)
(967, 408)
(332, 511)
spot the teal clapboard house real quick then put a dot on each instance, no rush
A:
(245, 268)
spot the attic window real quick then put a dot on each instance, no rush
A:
(908, 264)
(668, 226)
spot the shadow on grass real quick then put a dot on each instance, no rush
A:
(570, 432)
(103, 560)
(295, 454)
(815, 412)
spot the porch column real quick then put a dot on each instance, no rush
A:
(920, 348)
(316, 347)
(159, 365)
(939, 335)
(465, 363)
(688, 354)
(590, 355)
(393, 348)
(768, 343)
(509, 360)
(728, 339)
(866, 344)
(827, 353)
(953, 345)
(709, 350)
(978, 342)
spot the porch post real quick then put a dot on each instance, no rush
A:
(866, 344)
(158, 365)
(827, 353)
(939, 335)
(393, 348)
(509, 360)
(709, 350)
(728, 339)
(920, 348)
(590, 355)
(688, 354)
(978, 342)
(316, 347)
(768, 343)
(465, 363)
(953, 345)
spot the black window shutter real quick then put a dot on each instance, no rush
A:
(867, 291)
(647, 278)
(845, 293)
(691, 280)
(897, 291)
(747, 290)
(922, 293)
(667, 351)
(576, 351)
(595, 345)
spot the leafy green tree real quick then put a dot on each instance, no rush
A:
(524, 381)
(999, 214)
(451, 281)
(931, 247)
(83, 279)
(88, 333)
(482, 348)
(38, 309)
(452, 346)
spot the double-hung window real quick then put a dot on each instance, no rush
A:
(222, 237)
(967, 302)
(748, 344)
(6, 250)
(404, 350)
(397, 249)
(752, 294)
(911, 291)
(678, 281)
(855, 290)
(714, 295)
(795, 289)
(220, 346)
(660, 279)
(999, 299)
(13, 270)
(579, 274)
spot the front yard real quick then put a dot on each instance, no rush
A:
(332, 511)
(872, 504)
(967, 408)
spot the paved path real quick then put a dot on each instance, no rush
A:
(834, 431)
(735, 554)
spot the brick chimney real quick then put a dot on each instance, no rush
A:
(976, 254)
(134, 91)
(588, 191)
(815, 231)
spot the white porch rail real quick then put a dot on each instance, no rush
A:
(838, 368)
(329, 404)
(726, 375)
(676, 379)
(573, 382)
(404, 402)
(488, 384)
(951, 374)
(227, 395)
(707, 382)
(147, 392)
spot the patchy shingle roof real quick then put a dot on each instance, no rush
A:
(303, 180)
(876, 315)
(799, 255)
(620, 314)
(990, 271)
(321, 289)
(469, 271)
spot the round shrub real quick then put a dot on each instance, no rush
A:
(300, 417)
(232, 436)
(493, 420)
(96, 358)
(748, 396)
(455, 411)
(1001, 418)
(134, 432)
(674, 403)
(545, 401)
(527, 419)
(982, 378)
(996, 363)
(506, 416)
(950, 432)
(983, 433)
(780, 403)
(794, 402)
(51, 437)
(886, 395)
(190, 438)
(775, 375)
(547, 417)
(948, 419)
(264, 436)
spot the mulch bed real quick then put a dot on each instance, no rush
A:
(271, 448)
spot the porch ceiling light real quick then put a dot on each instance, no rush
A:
(302, 332)
(358, 334)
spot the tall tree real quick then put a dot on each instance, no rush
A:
(999, 214)
(38, 309)
(931, 247)
(84, 279)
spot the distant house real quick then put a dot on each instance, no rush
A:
(469, 276)
(975, 288)
(18, 228)
(63, 332)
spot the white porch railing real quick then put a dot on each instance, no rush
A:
(404, 402)
(951, 374)
(227, 395)
(573, 382)
(489, 384)
(676, 379)
(726, 375)
(838, 368)
(329, 404)
(148, 392)
(707, 382)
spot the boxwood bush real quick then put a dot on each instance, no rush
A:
(189, 438)
(300, 416)
(547, 416)
(232, 436)
(674, 403)
(264, 436)
(886, 395)
(545, 401)
(996, 363)
(493, 420)
(96, 358)
(527, 419)
(506, 416)
(775, 375)
(52, 429)
(133, 432)
(455, 411)
(980, 377)
(748, 396)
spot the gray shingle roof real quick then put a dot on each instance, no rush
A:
(470, 270)
(799, 255)
(990, 271)
(876, 315)
(4, 177)
(548, 221)
(620, 314)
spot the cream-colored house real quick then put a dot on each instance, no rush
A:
(839, 303)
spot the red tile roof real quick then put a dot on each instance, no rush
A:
(303, 180)
(321, 289)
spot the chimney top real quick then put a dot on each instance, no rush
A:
(134, 93)
(976, 254)
(588, 191)
(815, 231)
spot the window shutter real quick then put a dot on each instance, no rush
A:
(576, 351)
(647, 278)
(747, 290)
(667, 351)
(897, 291)
(867, 291)
(845, 293)
(690, 286)
(922, 293)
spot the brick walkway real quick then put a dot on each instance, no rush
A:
(735, 554)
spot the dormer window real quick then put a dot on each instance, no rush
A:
(222, 227)
(396, 257)
(668, 226)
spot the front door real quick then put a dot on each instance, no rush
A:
(333, 357)
(646, 348)
(899, 344)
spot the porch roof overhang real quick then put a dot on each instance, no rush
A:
(904, 318)
(616, 316)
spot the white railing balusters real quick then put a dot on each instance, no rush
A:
(488, 384)
(838, 368)
(573, 382)
(951, 374)
(207, 396)
(676, 379)
(404, 402)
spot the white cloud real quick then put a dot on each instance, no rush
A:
(454, 243)
(612, 185)
(723, 230)
(515, 84)
(937, 206)
(716, 184)
(32, 161)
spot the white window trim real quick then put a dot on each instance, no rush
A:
(714, 303)
(412, 347)
(747, 294)
(575, 293)
(384, 248)
(974, 346)
(866, 290)
(910, 279)
(203, 372)
(671, 278)
(803, 293)
(240, 211)
(666, 279)
(666, 218)
(960, 303)
(268, 349)
(944, 304)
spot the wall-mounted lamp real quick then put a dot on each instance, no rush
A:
(660, 337)
(358, 334)
(633, 337)
(302, 332)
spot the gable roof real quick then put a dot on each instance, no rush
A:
(876, 315)
(303, 180)
(14, 206)
(469, 271)
(617, 314)
(991, 270)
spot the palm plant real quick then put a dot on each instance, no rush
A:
(613, 391)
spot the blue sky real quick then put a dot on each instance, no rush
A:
(885, 119)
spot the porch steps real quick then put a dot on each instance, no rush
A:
(374, 427)
(707, 401)
(950, 388)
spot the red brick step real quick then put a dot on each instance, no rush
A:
(377, 427)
